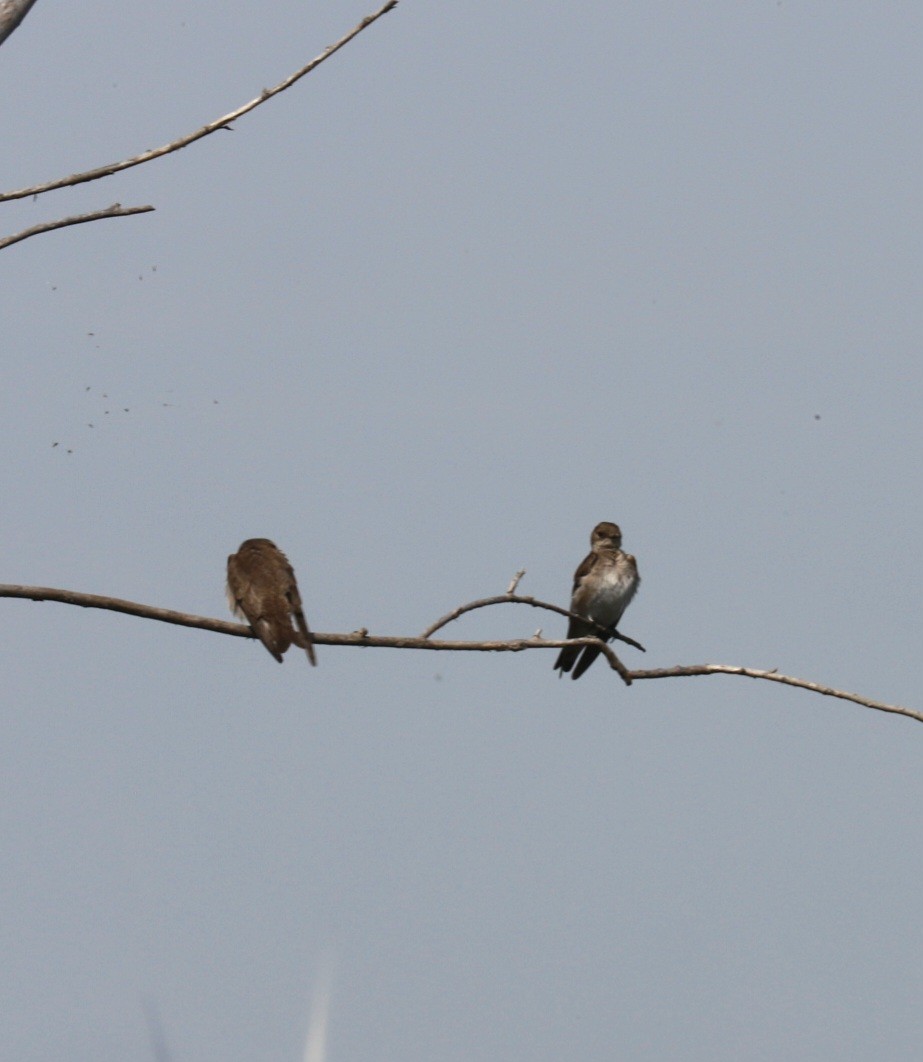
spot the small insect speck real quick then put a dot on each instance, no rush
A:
(53, 445)
(817, 416)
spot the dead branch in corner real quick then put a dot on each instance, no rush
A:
(12, 12)
(223, 122)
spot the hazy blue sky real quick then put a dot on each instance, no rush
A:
(490, 275)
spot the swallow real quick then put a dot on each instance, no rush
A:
(604, 585)
(262, 590)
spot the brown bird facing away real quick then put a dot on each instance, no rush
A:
(604, 585)
(262, 590)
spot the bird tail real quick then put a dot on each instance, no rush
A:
(590, 652)
(303, 637)
(566, 659)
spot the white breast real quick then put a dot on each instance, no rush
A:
(612, 594)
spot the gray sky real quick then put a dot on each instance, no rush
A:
(492, 274)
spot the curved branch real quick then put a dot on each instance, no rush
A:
(12, 12)
(115, 211)
(130, 608)
(240, 630)
(687, 671)
(364, 639)
(518, 599)
(206, 130)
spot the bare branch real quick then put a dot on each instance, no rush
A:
(516, 599)
(515, 645)
(240, 630)
(115, 211)
(12, 12)
(511, 645)
(212, 127)
(130, 608)
(685, 671)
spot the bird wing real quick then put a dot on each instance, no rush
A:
(575, 628)
(250, 597)
(304, 638)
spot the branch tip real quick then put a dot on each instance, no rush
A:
(219, 123)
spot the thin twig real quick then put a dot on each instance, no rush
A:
(206, 130)
(518, 599)
(687, 671)
(130, 608)
(515, 581)
(363, 638)
(115, 211)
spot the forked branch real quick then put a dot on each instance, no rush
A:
(517, 599)
(362, 638)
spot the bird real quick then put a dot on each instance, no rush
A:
(604, 585)
(262, 590)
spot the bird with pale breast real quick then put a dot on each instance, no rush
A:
(604, 585)
(262, 590)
